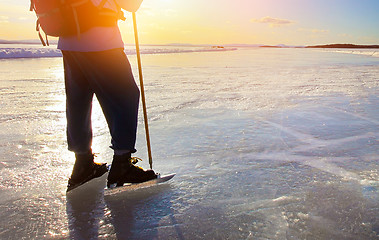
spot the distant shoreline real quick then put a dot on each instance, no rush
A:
(343, 46)
(327, 46)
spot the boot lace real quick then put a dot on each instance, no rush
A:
(134, 160)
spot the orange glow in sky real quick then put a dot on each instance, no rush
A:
(291, 22)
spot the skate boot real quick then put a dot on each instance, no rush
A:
(124, 170)
(84, 170)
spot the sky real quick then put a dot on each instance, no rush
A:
(272, 22)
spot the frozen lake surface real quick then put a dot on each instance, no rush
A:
(266, 144)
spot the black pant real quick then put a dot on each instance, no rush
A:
(108, 75)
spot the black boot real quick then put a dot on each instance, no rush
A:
(124, 170)
(84, 170)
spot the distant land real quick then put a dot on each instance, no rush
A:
(325, 46)
(343, 46)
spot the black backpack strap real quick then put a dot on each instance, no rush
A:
(75, 15)
(76, 19)
(44, 43)
(31, 5)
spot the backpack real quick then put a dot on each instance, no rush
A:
(60, 18)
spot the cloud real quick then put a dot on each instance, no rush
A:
(273, 22)
(4, 19)
(313, 30)
(345, 35)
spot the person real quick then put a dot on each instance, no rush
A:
(95, 64)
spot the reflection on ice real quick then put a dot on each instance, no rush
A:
(85, 209)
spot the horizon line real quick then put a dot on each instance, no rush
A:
(54, 41)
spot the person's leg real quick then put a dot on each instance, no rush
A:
(111, 78)
(78, 105)
(113, 83)
(79, 131)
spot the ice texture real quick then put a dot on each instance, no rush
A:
(266, 144)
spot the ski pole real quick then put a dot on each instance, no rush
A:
(142, 91)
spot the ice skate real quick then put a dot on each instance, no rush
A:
(85, 169)
(123, 170)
